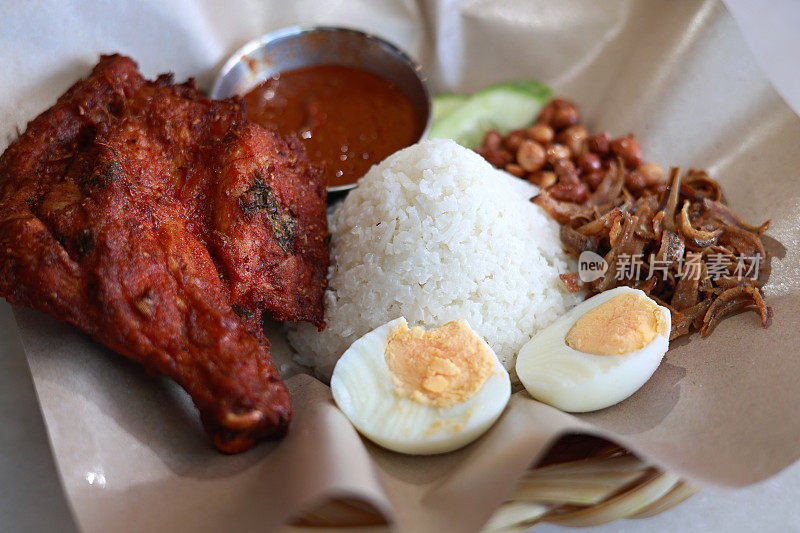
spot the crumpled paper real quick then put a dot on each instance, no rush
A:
(720, 410)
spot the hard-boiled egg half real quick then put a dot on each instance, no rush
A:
(599, 353)
(421, 392)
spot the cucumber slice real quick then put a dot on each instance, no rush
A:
(444, 104)
(504, 107)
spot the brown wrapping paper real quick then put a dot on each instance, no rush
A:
(721, 410)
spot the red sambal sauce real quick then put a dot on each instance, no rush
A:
(347, 118)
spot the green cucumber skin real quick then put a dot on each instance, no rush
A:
(445, 104)
(505, 107)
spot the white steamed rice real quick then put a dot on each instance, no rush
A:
(435, 233)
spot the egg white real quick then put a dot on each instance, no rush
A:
(577, 382)
(363, 389)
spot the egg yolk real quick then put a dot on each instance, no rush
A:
(623, 324)
(441, 367)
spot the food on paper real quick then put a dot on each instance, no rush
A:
(676, 239)
(347, 118)
(421, 392)
(434, 233)
(599, 353)
(163, 224)
(503, 107)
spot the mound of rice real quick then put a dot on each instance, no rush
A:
(435, 233)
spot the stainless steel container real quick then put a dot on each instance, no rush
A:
(296, 47)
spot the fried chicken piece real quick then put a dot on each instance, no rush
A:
(276, 256)
(163, 224)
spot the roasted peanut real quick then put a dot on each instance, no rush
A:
(541, 133)
(513, 140)
(565, 114)
(493, 140)
(589, 162)
(556, 151)
(499, 158)
(546, 114)
(594, 178)
(635, 181)
(543, 178)
(574, 138)
(566, 171)
(629, 150)
(600, 143)
(531, 155)
(652, 173)
(515, 170)
(569, 192)
(659, 188)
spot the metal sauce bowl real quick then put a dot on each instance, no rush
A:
(297, 47)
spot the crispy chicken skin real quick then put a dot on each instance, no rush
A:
(271, 241)
(163, 224)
